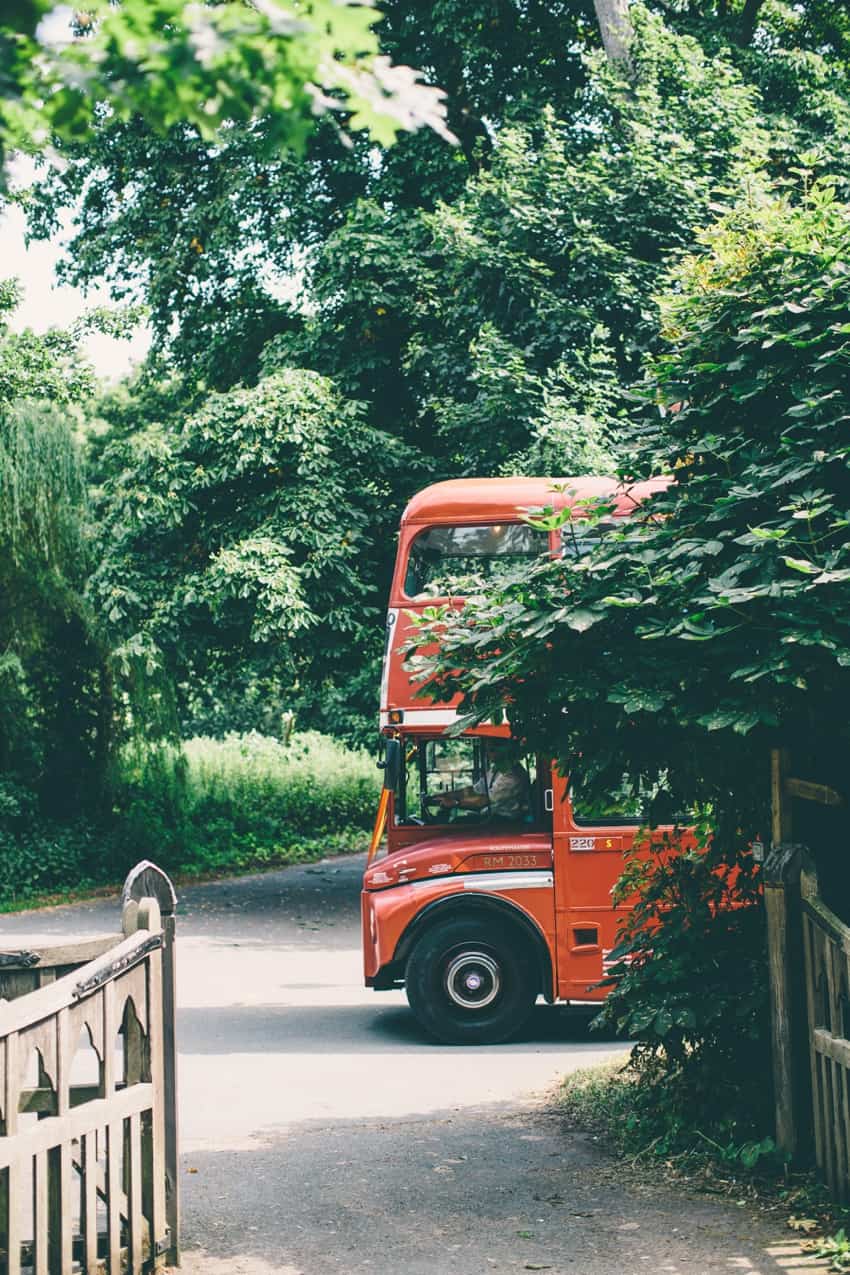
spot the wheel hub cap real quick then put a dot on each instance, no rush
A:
(473, 980)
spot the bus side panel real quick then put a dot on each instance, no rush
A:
(587, 920)
(589, 861)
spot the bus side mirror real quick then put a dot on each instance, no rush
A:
(392, 764)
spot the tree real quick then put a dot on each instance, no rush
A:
(615, 27)
(238, 545)
(220, 239)
(715, 621)
(209, 66)
(495, 332)
(213, 234)
(56, 706)
(470, 328)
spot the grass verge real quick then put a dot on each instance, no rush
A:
(354, 841)
(209, 808)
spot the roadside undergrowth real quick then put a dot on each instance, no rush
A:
(351, 841)
(204, 809)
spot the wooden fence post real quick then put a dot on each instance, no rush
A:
(145, 881)
(780, 804)
(788, 1014)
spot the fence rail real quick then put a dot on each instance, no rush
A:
(826, 943)
(88, 1142)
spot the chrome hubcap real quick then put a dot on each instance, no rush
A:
(473, 980)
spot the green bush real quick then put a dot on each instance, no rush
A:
(310, 785)
(619, 1103)
(688, 986)
(244, 801)
(209, 806)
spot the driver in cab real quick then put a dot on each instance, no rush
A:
(502, 792)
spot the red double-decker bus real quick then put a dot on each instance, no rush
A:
(496, 883)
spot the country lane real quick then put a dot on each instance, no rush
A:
(322, 1133)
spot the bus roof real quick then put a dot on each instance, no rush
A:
(468, 500)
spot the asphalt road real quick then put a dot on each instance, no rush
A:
(322, 1133)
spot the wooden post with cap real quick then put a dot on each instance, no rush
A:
(147, 881)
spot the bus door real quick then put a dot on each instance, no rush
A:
(589, 845)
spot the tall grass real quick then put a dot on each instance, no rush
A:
(210, 806)
(312, 785)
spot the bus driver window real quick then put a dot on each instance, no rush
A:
(467, 780)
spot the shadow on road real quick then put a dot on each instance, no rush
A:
(453, 1193)
(358, 1029)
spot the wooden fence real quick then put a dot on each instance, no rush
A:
(827, 966)
(88, 1133)
(809, 968)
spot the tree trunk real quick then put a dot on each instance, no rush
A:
(616, 28)
(749, 18)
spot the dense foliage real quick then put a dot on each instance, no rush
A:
(55, 686)
(687, 983)
(241, 545)
(211, 806)
(470, 310)
(713, 621)
(516, 313)
(172, 62)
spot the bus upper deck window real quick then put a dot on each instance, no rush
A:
(440, 555)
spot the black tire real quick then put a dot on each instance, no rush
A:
(471, 981)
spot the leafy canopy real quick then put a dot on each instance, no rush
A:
(715, 620)
(483, 308)
(170, 62)
(496, 329)
(55, 686)
(519, 310)
(239, 540)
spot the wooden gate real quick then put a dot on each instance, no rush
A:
(827, 964)
(88, 1134)
(809, 968)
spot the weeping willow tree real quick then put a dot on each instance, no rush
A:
(55, 693)
(42, 490)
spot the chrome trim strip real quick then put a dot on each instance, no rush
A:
(495, 881)
(492, 882)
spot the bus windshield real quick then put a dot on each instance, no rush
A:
(467, 780)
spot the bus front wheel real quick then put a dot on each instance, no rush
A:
(471, 982)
